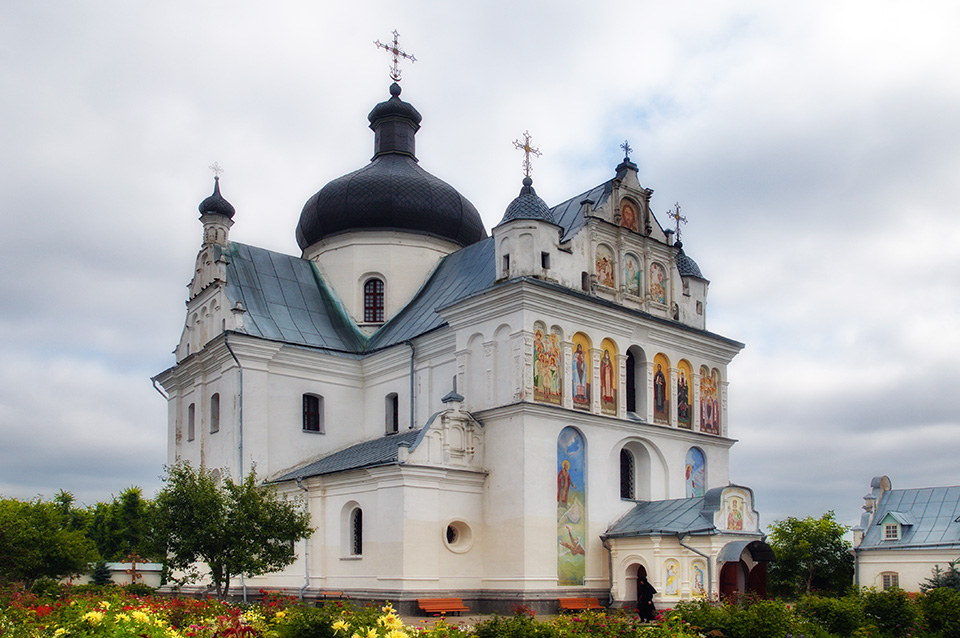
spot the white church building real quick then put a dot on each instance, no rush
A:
(518, 417)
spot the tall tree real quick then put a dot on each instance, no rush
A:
(811, 555)
(122, 526)
(234, 528)
(38, 539)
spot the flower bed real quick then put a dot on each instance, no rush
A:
(111, 612)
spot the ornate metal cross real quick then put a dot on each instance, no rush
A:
(217, 170)
(677, 217)
(626, 149)
(527, 151)
(397, 53)
(134, 574)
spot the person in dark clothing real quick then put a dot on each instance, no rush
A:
(645, 608)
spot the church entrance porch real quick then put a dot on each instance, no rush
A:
(743, 568)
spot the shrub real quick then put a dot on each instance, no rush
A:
(941, 611)
(519, 626)
(891, 611)
(101, 573)
(839, 616)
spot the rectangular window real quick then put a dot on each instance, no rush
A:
(215, 413)
(191, 422)
(891, 532)
(890, 580)
(506, 265)
(313, 413)
(545, 261)
(392, 413)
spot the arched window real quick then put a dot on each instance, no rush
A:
(191, 422)
(215, 413)
(392, 413)
(313, 413)
(627, 475)
(373, 301)
(356, 532)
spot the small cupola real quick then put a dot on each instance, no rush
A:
(527, 205)
(216, 213)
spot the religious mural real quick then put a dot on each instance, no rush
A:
(580, 372)
(608, 377)
(671, 577)
(698, 576)
(571, 508)
(658, 283)
(605, 265)
(547, 360)
(695, 472)
(684, 393)
(709, 401)
(661, 390)
(632, 274)
(736, 512)
(629, 216)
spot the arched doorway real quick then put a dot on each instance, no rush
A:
(744, 568)
(635, 572)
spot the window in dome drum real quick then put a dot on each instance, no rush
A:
(373, 301)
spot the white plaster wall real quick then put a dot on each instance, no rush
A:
(402, 260)
(914, 566)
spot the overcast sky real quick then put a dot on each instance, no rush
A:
(813, 146)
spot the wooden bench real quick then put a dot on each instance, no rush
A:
(579, 604)
(438, 606)
(324, 595)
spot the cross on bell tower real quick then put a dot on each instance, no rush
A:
(677, 218)
(395, 50)
(527, 151)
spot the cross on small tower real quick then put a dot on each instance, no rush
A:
(626, 150)
(527, 151)
(397, 53)
(677, 217)
(134, 574)
(216, 168)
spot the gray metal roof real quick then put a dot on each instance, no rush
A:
(459, 275)
(381, 451)
(569, 214)
(933, 511)
(652, 518)
(286, 300)
(527, 205)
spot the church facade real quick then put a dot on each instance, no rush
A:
(514, 418)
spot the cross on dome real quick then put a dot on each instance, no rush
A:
(527, 151)
(216, 168)
(397, 53)
(626, 150)
(677, 217)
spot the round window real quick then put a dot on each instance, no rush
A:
(458, 537)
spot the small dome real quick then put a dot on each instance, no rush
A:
(687, 266)
(527, 205)
(216, 204)
(394, 107)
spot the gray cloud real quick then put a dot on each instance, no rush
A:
(813, 148)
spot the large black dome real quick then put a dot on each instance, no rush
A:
(392, 192)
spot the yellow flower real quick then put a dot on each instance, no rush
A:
(281, 614)
(104, 604)
(397, 633)
(122, 617)
(92, 617)
(60, 632)
(139, 616)
(372, 633)
(356, 635)
(337, 626)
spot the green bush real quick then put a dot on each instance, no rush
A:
(892, 611)
(941, 611)
(705, 615)
(139, 589)
(518, 626)
(839, 616)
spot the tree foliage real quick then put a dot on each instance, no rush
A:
(234, 528)
(811, 555)
(948, 578)
(39, 539)
(123, 526)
